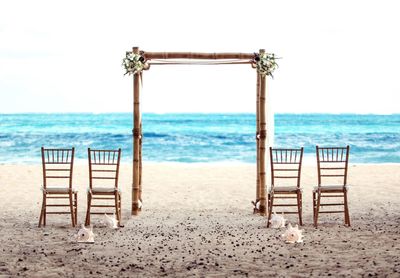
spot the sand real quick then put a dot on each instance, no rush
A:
(197, 221)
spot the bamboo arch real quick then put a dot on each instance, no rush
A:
(168, 58)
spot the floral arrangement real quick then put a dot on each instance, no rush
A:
(265, 63)
(134, 63)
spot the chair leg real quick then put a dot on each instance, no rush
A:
(45, 209)
(89, 203)
(299, 207)
(346, 210)
(76, 208)
(116, 193)
(314, 204)
(317, 209)
(42, 211)
(119, 207)
(270, 205)
(71, 207)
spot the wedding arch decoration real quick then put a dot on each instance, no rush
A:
(136, 61)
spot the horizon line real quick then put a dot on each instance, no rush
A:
(202, 113)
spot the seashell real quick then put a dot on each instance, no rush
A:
(111, 221)
(140, 204)
(256, 205)
(277, 221)
(293, 235)
(85, 235)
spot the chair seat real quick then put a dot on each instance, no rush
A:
(59, 190)
(103, 190)
(331, 188)
(285, 189)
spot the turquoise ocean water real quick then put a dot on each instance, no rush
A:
(197, 137)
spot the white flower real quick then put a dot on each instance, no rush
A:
(266, 64)
(129, 56)
(133, 63)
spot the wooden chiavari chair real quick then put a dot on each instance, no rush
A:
(103, 182)
(58, 166)
(333, 166)
(285, 180)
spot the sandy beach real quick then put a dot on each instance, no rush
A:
(197, 221)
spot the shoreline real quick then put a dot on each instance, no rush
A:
(80, 162)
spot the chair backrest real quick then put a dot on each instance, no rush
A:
(104, 167)
(332, 164)
(285, 165)
(57, 166)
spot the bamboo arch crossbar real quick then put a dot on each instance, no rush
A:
(196, 55)
(185, 58)
(202, 62)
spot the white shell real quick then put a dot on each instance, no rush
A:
(85, 235)
(256, 205)
(111, 221)
(140, 204)
(293, 235)
(277, 221)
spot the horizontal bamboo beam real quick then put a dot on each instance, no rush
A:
(206, 63)
(197, 55)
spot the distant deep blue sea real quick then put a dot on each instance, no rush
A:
(202, 138)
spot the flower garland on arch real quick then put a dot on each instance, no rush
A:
(265, 63)
(134, 63)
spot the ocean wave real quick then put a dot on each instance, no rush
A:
(198, 138)
(6, 144)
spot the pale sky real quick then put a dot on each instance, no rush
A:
(337, 56)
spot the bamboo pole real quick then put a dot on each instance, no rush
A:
(263, 136)
(258, 139)
(197, 55)
(140, 163)
(136, 139)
